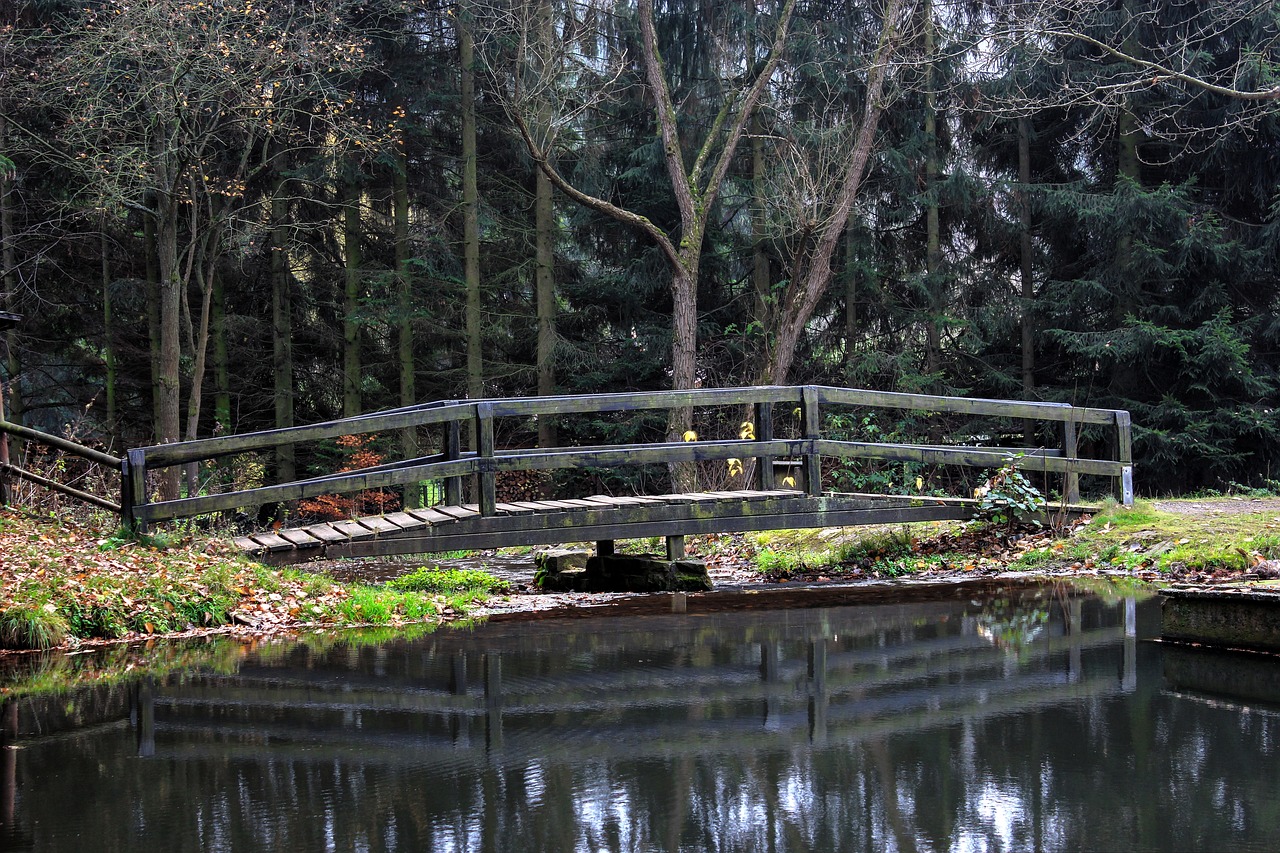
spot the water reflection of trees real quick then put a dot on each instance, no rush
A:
(888, 728)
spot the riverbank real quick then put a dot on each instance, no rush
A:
(65, 584)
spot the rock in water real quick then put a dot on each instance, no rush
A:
(623, 573)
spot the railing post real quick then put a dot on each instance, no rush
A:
(136, 482)
(488, 480)
(127, 519)
(764, 432)
(1124, 455)
(812, 461)
(452, 451)
(1071, 448)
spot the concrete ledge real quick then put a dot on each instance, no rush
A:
(1240, 618)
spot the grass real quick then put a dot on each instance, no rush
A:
(1140, 537)
(1144, 537)
(63, 582)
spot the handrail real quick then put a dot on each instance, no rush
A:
(75, 449)
(486, 461)
(60, 443)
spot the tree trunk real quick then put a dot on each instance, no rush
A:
(850, 297)
(405, 337)
(471, 218)
(8, 301)
(1025, 259)
(168, 380)
(153, 308)
(544, 257)
(282, 328)
(935, 288)
(545, 285)
(199, 354)
(353, 259)
(1026, 256)
(221, 360)
(108, 338)
(805, 290)
(221, 373)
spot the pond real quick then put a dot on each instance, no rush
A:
(959, 718)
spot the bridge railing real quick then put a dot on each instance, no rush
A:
(10, 471)
(482, 464)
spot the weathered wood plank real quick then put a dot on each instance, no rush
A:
(513, 508)
(161, 455)
(403, 520)
(961, 456)
(325, 533)
(431, 516)
(299, 537)
(352, 529)
(248, 545)
(644, 529)
(378, 524)
(964, 405)
(356, 481)
(272, 542)
(60, 443)
(644, 400)
(457, 512)
(53, 485)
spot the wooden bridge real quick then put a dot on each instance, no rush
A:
(782, 443)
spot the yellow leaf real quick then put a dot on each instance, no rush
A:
(919, 484)
(789, 482)
(747, 432)
(690, 435)
(735, 467)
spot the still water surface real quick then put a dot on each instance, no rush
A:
(1033, 719)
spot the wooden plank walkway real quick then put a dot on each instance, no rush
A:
(597, 518)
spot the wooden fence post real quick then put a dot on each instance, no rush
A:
(136, 483)
(812, 432)
(1124, 455)
(764, 432)
(488, 480)
(1071, 447)
(127, 519)
(452, 451)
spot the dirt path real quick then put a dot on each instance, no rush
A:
(1219, 506)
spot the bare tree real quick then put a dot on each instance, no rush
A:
(818, 169)
(172, 109)
(697, 158)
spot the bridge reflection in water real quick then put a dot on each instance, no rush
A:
(1029, 719)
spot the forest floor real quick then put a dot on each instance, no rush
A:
(67, 584)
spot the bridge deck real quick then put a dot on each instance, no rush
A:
(596, 518)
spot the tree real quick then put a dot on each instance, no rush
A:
(170, 109)
(737, 84)
(821, 168)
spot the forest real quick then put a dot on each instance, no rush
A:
(219, 216)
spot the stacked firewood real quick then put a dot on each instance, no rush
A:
(523, 485)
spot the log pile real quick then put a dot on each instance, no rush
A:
(524, 485)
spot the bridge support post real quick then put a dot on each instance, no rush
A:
(675, 547)
(812, 432)
(452, 451)
(604, 548)
(1123, 485)
(488, 482)
(136, 484)
(764, 432)
(1070, 447)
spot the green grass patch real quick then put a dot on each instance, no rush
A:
(449, 581)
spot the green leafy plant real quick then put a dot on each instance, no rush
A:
(1008, 496)
(448, 581)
